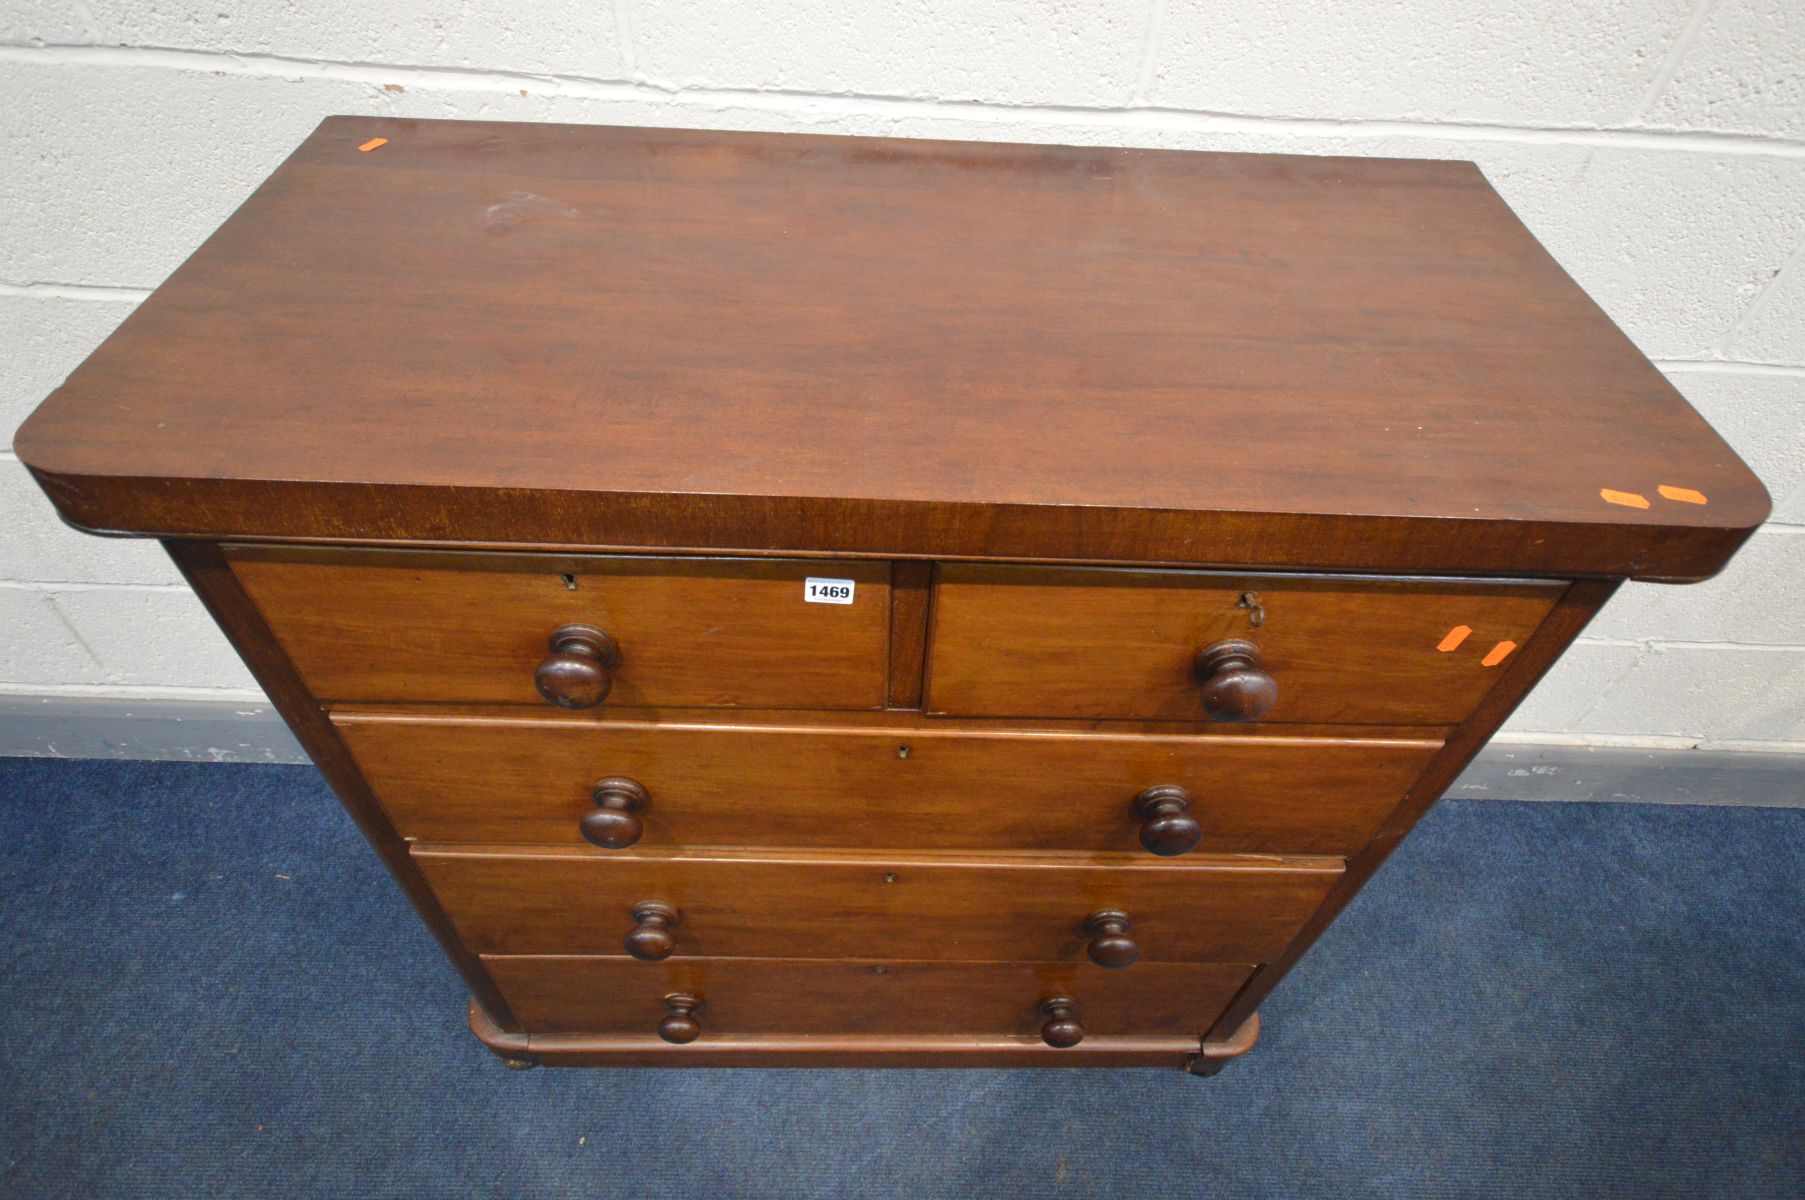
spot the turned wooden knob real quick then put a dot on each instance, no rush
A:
(578, 673)
(1167, 826)
(614, 821)
(1235, 686)
(1110, 945)
(652, 938)
(681, 1026)
(1061, 1029)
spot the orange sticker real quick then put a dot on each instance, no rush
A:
(1627, 499)
(375, 142)
(1683, 495)
(1499, 653)
(1456, 635)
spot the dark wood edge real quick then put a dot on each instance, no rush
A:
(910, 592)
(1615, 545)
(206, 570)
(1216, 1055)
(843, 1050)
(996, 571)
(1551, 638)
(889, 722)
(1237, 1043)
(1221, 864)
(509, 1044)
(414, 557)
(1477, 574)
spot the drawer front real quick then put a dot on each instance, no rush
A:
(848, 907)
(906, 784)
(777, 997)
(1082, 642)
(475, 628)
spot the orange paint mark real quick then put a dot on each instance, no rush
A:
(1683, 495)
(375, 142)
(1456, 635)
(1627, 499)
(1499, 653)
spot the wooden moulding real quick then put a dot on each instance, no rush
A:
(1197, 1055)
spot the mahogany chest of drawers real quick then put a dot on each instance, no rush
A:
(795, 600)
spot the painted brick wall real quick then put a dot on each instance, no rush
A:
(1656, 146)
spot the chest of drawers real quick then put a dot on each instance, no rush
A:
(783, 600)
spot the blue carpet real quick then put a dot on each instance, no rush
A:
(212, 989)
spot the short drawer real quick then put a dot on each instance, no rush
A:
(1192, 645)
(972, 909)
(896, 782)
(743, 997)
(478, 628)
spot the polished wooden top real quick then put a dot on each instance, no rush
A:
(606, 337)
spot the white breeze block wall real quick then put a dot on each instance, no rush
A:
(1656, 146)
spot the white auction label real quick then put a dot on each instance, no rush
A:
(827, 591)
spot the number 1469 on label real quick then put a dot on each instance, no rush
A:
(828, 591)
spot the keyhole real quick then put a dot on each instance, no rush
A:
(902, 752)
(1256, 616)
(570, 582)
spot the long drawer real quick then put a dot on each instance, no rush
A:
(764, 996)
(463, 628)
(772, 905)
(898, 783)
(1011, 641)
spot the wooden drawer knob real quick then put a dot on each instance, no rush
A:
(652, 938)
(1167, 826)
(1110, 945)
(1061, 1028)
(1235, 686)
(681, 1026)
(578, 673)
(614, 821)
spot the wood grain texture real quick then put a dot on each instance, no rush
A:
(753, 358)
(498, 333)
(206, 570)
(904, 785)
(435, 628)
(1520, 674)
(519, 900)
(910, 591)
(1073, 642)
(627, 1050)
(749, 997)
